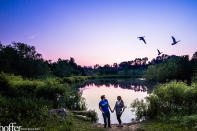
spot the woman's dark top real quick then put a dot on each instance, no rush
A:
(118, 107)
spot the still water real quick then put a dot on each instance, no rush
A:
(127, 90)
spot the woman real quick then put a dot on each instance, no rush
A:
(119, 108)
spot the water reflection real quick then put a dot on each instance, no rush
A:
(129, 90)
(136, 85)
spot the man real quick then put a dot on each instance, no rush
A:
(104, 107)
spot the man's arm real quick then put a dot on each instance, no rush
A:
(101, 109)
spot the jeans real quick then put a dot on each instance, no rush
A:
(106, 115)
(118, 118)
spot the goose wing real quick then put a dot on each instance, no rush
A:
(143, 40)
(174, 40)
(158, 51)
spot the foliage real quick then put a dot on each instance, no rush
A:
(23, 111)
(81, 125)
(174, 68)
(106, 70)
(169, 101)
(77, 79)
(194, 66)
(26, 101)
(140, 108)
(56, 123)
(64, 68)
(22, 59)
(163, 126)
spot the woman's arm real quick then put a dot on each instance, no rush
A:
(110, 108)
(123, 107)
(114, 107)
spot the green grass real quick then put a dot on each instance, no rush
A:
(162, 126)
(57, 124)
(81, 125)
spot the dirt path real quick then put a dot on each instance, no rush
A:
(126, 127)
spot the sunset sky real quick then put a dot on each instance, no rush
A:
(100, 31)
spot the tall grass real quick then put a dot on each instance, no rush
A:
(26, 101)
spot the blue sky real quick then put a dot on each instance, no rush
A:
(100, 31)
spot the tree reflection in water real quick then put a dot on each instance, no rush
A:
(136, 85)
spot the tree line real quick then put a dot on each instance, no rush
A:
(22, 59)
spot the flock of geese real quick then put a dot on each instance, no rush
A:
(159, 53)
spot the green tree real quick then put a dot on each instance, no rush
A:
(174, 68)
(22, 59)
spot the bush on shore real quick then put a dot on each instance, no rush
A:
(173, 101)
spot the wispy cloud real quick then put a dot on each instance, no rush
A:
(33, 36)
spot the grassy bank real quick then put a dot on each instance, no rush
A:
(163, 126)
(81, 125)
(26, 102)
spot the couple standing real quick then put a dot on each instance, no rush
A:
(104, 107)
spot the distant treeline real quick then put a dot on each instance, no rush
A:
(22, 59)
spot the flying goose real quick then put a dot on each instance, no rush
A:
(159, 53)
(174, 41)
(142, 38)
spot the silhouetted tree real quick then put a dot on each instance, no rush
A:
(96, 66)
(194, 66)
(176, 67)
(115, 65)
(22, 59)
(63, 68)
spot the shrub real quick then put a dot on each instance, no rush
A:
(23, 111)
(16, 86)
(140, 108)
(170, 99)
(26, 101)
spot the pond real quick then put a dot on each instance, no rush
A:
(128, 90)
